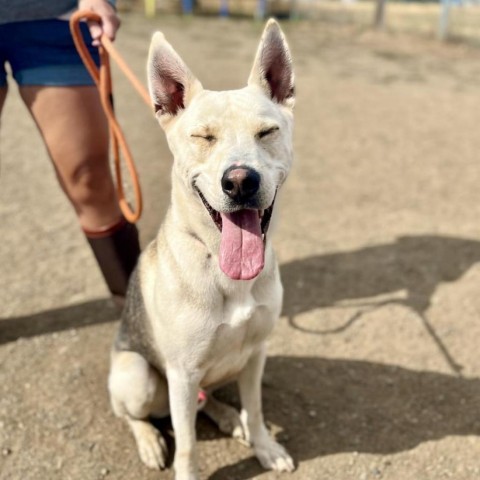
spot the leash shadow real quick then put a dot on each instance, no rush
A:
(340, 406)
(55, 320)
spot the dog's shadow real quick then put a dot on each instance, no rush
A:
(337, 406)
(412, 265)
(406, 272)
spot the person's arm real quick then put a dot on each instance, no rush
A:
(110, 22)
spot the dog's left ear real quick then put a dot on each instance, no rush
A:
(272, 69)
(170, 82)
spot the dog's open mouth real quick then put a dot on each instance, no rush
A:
(264, 215)
(242, 247)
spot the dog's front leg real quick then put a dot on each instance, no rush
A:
(183, 394)
(269, 453)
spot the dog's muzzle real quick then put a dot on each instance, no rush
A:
(243, 231)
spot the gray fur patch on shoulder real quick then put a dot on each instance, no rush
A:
(134, 333)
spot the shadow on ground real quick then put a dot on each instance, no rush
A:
(337, 406)
(415, 265)
(73, 316)
(412, 265)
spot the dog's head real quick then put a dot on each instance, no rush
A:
(232, 149)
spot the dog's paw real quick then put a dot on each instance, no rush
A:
(229, 423)
(152, 449)
(273, 456)
(238, 434)
(227, 419)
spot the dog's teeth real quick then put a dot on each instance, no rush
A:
(261, 213)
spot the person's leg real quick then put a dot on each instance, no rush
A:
(75, 132)
(73, 126)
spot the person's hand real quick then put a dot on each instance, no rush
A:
(109, 23)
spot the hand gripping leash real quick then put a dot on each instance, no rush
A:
(103, 79)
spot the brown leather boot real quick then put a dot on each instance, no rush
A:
(116, 250)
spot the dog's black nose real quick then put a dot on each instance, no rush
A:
(240, 183)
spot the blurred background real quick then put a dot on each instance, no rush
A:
(454, 19)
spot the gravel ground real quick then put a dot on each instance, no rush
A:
(373, 369)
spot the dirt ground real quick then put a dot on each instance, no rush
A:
(373, 369)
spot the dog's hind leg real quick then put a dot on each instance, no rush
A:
(226, 418)
(136, 392)
(150, 443)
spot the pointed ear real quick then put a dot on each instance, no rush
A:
(272, 69)
(170, 82)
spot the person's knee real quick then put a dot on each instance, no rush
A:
(90, 183)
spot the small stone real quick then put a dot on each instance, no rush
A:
(312, 413)
(6, 452)
(104, 472)
(377, 472)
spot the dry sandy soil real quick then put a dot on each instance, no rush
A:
(373, 369)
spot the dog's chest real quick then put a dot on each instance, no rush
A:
(238, 310)
(244, 325)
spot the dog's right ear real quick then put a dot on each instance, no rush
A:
(170, 82)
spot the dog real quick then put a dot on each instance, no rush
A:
(206, 292)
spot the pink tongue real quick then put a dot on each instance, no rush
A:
(241, 248)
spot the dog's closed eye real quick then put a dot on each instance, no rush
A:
(208, 137)
(267, 131)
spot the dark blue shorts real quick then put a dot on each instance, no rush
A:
(42, 52)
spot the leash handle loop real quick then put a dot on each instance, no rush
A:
(103, 80)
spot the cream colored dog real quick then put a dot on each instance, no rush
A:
(207, 291)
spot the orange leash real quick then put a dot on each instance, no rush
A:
(103, 79)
